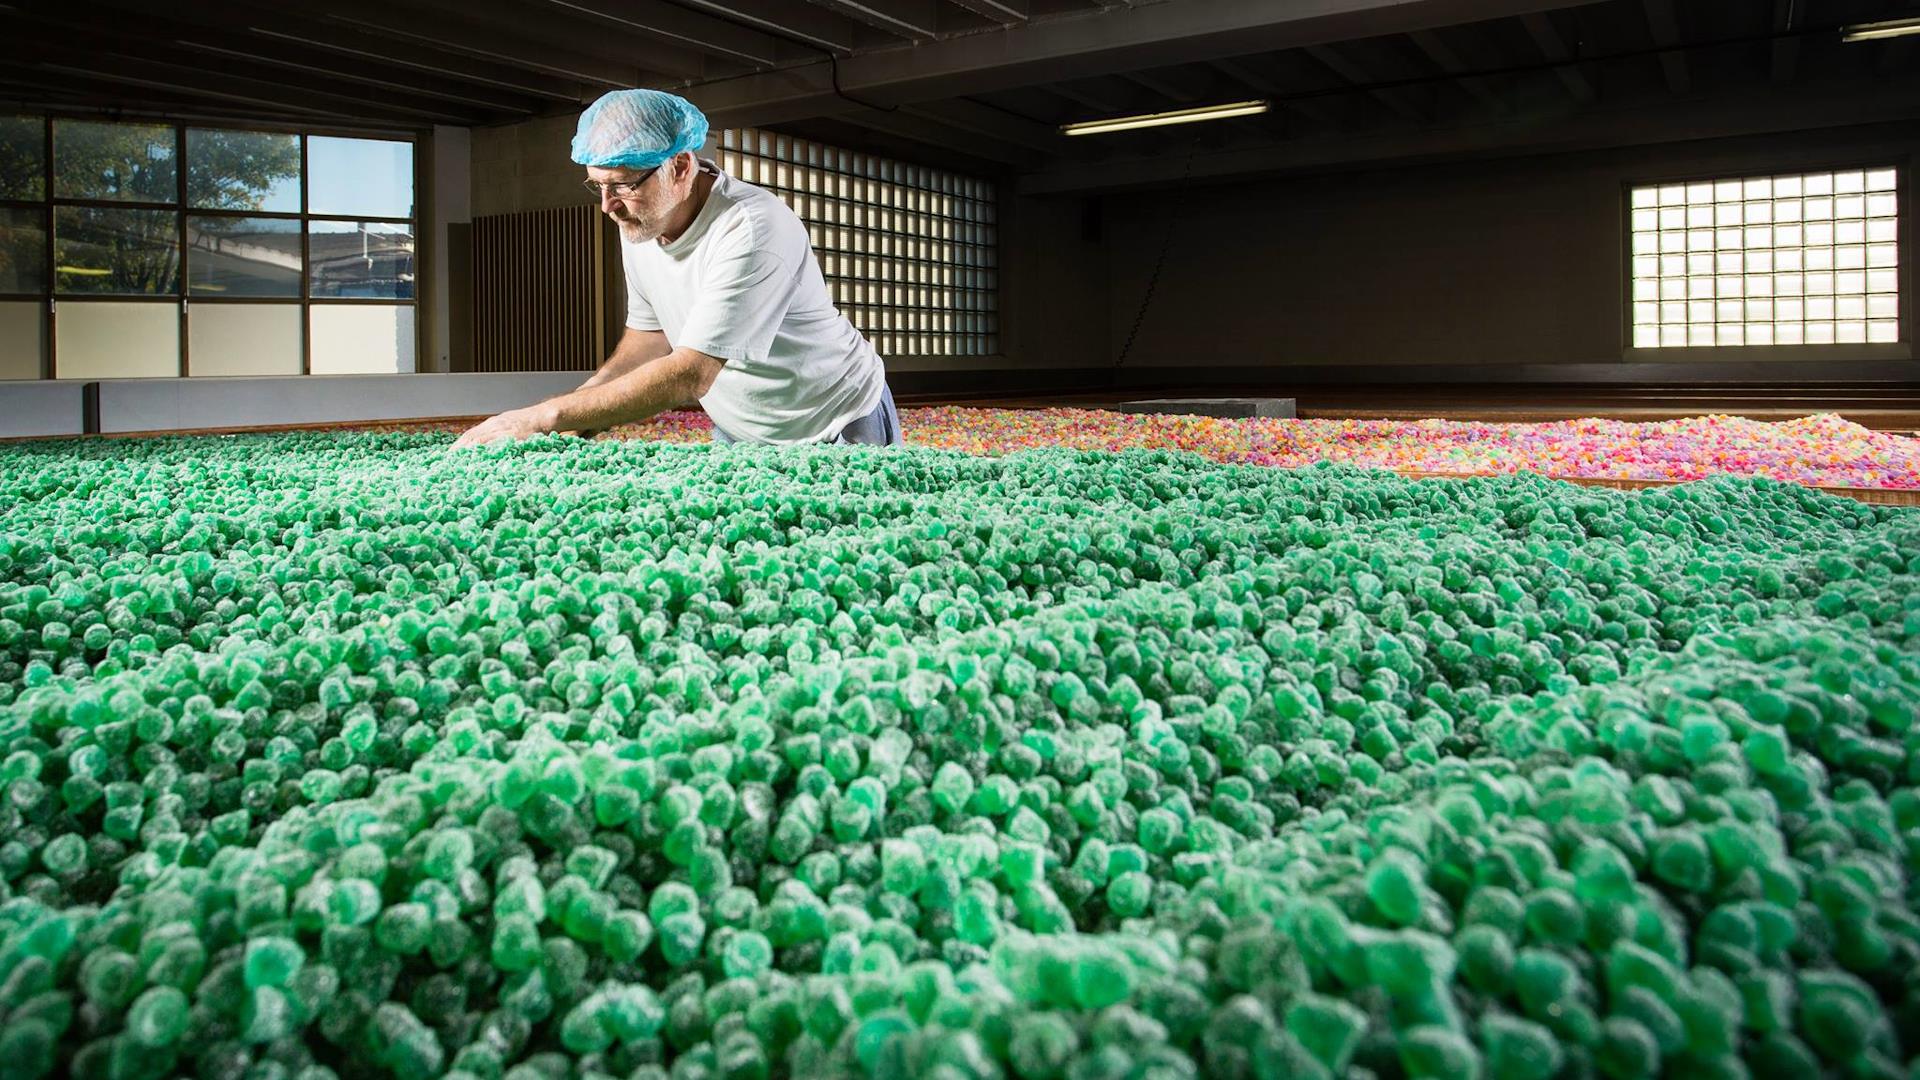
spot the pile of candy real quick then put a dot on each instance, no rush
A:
(329, 756)
(1819, 451)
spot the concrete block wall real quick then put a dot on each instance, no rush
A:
(1505, 262)
(526, 166)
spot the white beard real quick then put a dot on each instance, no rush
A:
(633, 232)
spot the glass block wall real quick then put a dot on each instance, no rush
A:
(909, 252)
(1794, 259)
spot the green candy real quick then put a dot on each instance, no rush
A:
(1682, 858)
(65, 855)
(1129, 894)
(747, 955)
(1837, 1016)
(1519, 1049)
(1486, 959)
(1329, 1028)
(333, 752)
(273, 961)
(404, 928)
(1410, 962)
(952, 788)
(1428, 1051)
(109, 977)
(1543, 981)
(1626, 1050)
(1395, 887)
(158, 1016)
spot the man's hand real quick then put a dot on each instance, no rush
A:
(682, 375)
(514, 424)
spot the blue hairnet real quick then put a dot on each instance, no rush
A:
(637, 129)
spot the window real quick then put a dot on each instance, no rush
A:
(1799, 259)
(23, 249)
(154, 250)
(909, 253)
(23, 157)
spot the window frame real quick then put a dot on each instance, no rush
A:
(1905, 235)
(49, 204)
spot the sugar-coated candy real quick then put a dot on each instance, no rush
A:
(1823, 450)
(348, 755)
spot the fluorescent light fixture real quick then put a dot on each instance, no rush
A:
(1873, 31)
(1161, 119)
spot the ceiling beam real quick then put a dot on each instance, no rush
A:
(1786, 44)
(1000, 124)
(1761, 111)
(1351, 72)
(37, 87)
(1554, 47)
(803, 23)
(1185, 88)
(1245, 75)
(542, 25)
(1665, 27)
(924, 130)
(1099, 103)
(1270, 124)
(1004, 12)
(530, 48)
(543, 84)
(135, 61)
(687, 29)
(164, 38)
(1894, 55)
(851, 137)
(316, 32)
(1167, 88)
(414, 83)
(1034, 104)
(201, 84)
(1436, 49)
(1066, 48)
(1239, 72)
(916, 20)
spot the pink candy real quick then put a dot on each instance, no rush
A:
(1823, 450)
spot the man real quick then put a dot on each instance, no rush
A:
(725, 304)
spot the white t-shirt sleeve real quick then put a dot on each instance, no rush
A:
(744, 292)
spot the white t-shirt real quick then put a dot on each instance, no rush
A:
(741, 285)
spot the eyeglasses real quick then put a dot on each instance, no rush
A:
(619, 189)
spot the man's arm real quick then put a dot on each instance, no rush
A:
(636, 347)
(677, 378)
(681, 376)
